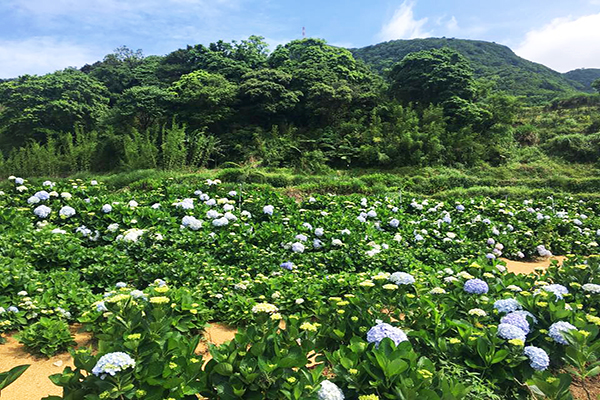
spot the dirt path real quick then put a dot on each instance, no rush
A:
(519, 267)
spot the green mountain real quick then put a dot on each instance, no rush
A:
(584, 76)
(511, 73)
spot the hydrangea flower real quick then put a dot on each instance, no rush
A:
(300, 237)
(538, 358)
(131, 235)
(229, 216)
(111, 363)
(319, 232)
(298, 247)
(543, 252)
(591, 287)
(13, 309)
(42, 195)
(394, 223)
(268, 209)
(556, 331)
(106, 208)
(132, 204)
(220, 221)
(516, 319)
(287, 265)
(317, 244)
(19, 181)
(186, 204)
(402, 278)
(476, 286)
(42, 211)
(191, 222)
(383, 330)
(526, 314)
(556, 289)
(264, 308)
(507, 305)
(330, 391)
(508, 332)
(67, 212)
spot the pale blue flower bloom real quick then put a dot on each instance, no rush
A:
(383, 330)
(111, 363)
(538, 358)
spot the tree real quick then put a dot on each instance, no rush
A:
(118, 70)
(331, 80)
(143, 106)
(432, 77)
(265, 94)
(202, 98)
(32, 107)
(596, 85)
(232, 60)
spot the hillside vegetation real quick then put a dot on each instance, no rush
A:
(305, 105)
(490, 61)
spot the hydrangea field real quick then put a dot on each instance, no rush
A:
(334, 296)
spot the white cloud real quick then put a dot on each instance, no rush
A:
(452, 24)
(41, 55)
(565, 43)
(403, 24)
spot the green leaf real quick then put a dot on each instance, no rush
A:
(6, 378)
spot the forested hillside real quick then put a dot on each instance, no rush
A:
(305, 105)
(490, 61)
(585, 76)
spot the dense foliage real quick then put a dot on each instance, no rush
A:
(378, 297)
(490, 61)
(305, 105)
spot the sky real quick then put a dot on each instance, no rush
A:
(42, 36)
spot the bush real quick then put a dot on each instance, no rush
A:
(47, 337)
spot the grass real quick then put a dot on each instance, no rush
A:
(516, 180)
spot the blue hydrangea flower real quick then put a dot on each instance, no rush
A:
(383, 330)
(527, 314)
(101, 307)
(67, 212)
(538, 358)
(106, 208)
(287, 265)
(120, 285)
(13, 309)
(111, 363)
(42, 211)
(476, 286)
(556, 331)
(516, 319)
(330, 391)
(508, 332)
(402, 278)
(557, 290)
(507, 305)
(42, 195)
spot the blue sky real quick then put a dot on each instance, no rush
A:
(40, 36)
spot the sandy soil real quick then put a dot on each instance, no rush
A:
(34, 383)
(519, 267)
(216, 334)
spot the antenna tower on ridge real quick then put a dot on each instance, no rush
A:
(303, 32)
